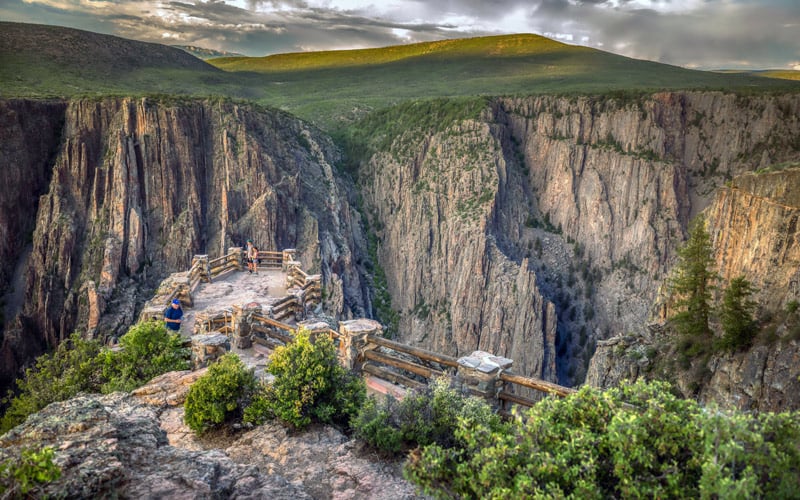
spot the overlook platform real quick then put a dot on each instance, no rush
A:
(228, 309)
(235, 288)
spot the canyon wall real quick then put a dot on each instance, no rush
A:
(589, 197)
(753, 223)
(139, 186)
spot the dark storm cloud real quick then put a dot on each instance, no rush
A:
(698, 33)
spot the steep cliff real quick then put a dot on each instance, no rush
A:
(588, 197)
(753, 222)
(139, 186)
(432, 195)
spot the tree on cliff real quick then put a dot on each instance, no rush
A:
(693, 281)
(736, 315)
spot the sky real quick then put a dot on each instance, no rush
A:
(704, 34)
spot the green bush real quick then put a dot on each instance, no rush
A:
(72, 368)
(425, 416)
(259, 410)
(218, 396)
(19, 476)
(632, 442)
(148, 350)
(375, 425)
(311, 385)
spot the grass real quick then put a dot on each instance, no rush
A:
(336, 88)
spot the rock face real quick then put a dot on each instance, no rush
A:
(753, 223)
(553, 212)
(112, 446)
(434, 198)
(137, 446)
(139, 186)
(320, 461)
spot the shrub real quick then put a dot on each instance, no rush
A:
(218, 396)
(311, 385)
(148, 350)
(632, 442)
(20, 476)
(72, 368)
(375, 425)
(425, 416)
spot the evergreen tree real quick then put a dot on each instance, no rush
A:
(693, 281)
(736, 315)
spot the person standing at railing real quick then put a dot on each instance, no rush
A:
(173, 315)
(252, 257)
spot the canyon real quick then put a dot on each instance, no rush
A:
(529, 227)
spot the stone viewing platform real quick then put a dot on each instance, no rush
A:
(228, 309)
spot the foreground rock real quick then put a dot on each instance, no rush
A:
(111, 446)
(137, 446)
(320, 461)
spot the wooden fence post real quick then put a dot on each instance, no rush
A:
(288, 256)
(205, 271)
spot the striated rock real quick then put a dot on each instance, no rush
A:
(434, 198)
(139, 186)
(111, 446)
(753, 223)
(29, 135)
(596, 194)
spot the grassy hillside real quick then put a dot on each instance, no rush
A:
(335, 87)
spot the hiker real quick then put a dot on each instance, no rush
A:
(252, 257)
(173, 315)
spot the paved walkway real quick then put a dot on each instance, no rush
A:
(240, 288)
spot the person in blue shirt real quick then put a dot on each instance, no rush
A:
(173, 315)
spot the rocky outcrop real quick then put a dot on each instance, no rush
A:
(433, 198)
(137, 446)
(320, 461)
(112, 446)
(587, 196)
(140, 185)
(753, 223)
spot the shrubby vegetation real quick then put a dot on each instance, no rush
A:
(72, 368)
(163, 351)
(636, 441)
(80, 365)
(20, 476)
(425, 416)
(220, 395)
(309, 386)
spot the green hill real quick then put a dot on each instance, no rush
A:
(335, 87)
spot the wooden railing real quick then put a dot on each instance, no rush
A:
(360, 350)
(390, 366)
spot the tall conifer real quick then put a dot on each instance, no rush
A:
(693, 281)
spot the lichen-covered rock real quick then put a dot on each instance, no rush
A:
(111, 446)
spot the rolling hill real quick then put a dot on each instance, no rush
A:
(335, 87)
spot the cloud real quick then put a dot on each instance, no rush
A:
(692, 33)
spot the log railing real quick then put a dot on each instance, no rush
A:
(361, 347)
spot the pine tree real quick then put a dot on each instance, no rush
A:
(693, 281)
(736, 315)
